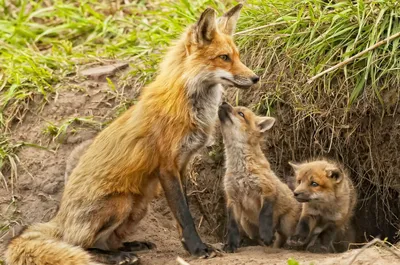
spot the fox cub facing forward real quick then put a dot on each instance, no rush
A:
(258, 202)
(329, 199)
(147, 147)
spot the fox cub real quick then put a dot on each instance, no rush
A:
(329, 199)
(258, 203)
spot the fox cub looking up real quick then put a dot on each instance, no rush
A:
(329, 199)
(257, 201)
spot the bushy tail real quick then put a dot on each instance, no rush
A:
(41, 245)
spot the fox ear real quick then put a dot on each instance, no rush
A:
(335, 173)
(265, 123)
(295, 166)
(227, 23)
(206, 26)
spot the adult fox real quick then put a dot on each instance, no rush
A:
(108, 192)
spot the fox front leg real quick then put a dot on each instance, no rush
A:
(233, 238)
(303, 232)
(266, 222)
(324, 244)
(171, 183)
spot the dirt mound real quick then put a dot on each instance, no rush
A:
(40, 182)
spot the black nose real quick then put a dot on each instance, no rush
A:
(296, 194)
(224, 103)
(255, 79)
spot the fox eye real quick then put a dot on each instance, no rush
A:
(225, 57)
(314, 184)
(241, 114)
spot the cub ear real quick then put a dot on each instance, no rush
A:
(227, 23)
(335, 173)
(206, 27)
(265, 123)
(295, 166)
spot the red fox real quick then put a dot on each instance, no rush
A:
(74, 157)
(329, 199)
(258, 202)
(108, 192)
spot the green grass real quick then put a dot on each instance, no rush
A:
(314, 35)
(41, 44)
(58, 132)
(8, 162)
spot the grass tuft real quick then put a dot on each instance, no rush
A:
(58, 132)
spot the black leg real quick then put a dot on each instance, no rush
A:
(301, 236)
(327, 238)
(266, 222)
(324, 240)
(113, 257)
(176, 199)
(233, 238)
(135, 246)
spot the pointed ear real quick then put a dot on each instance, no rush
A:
(265, 123)
(206, 26)
(295, 166)
(227, 23)
(335, 173)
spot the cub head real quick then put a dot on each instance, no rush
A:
(210, 48)
(316, 181)
(241, 125)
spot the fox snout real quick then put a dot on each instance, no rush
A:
(245, 82)
(301, 196)
(224, 112)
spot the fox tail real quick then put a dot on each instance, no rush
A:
(40, 244)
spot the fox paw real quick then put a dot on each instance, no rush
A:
(210, 252)
(204, 251)
(230, 247)
(266, 240)
(317, 248)
(126, 258)
(296, 241)
(136, 246)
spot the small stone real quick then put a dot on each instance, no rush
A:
(102, 71)
(51, 188)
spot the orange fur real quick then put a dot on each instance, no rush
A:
(258, 202)
(329, 199)
(108, 191)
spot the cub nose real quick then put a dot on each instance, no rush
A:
(296, 194)
(224, 103)
(255, 79)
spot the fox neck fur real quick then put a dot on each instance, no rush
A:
(245, 157)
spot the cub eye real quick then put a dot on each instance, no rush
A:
(241, 114)
(225, 57)
(314, 184)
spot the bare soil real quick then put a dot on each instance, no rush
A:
(39, 185)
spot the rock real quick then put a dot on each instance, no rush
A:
(51, 188)
(103, 71)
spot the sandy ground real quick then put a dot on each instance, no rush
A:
(40, 181)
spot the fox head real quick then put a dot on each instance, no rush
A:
(239, 125)
(316, 181)
(211, 51)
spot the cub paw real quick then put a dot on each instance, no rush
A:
(296, 241)
(126, 258)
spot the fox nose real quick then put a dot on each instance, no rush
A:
(296, 194)
(224, 103)
(255, 79)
